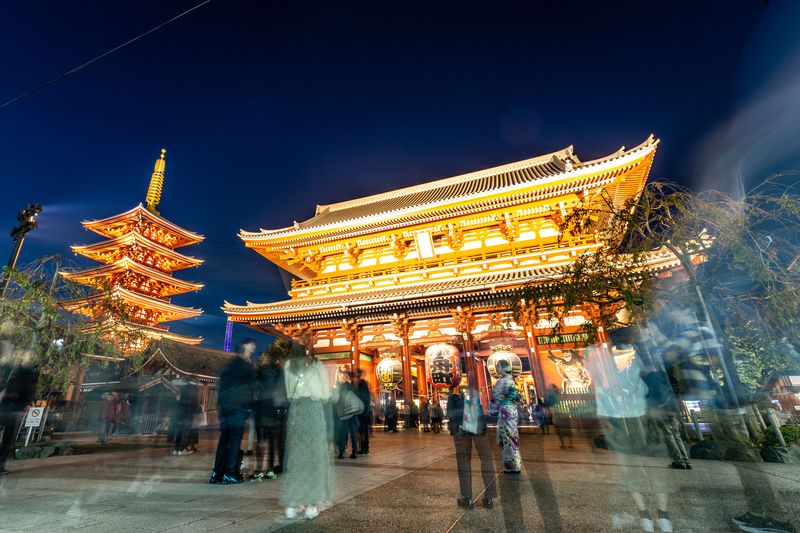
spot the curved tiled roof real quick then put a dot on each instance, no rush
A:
(510, 179)
(197, 361)
(437, 191)
(100, 226)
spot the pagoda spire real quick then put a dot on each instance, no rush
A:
(156, 183)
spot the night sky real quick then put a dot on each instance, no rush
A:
(269, 109)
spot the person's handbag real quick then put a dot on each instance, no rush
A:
(349, 405)
(472, 414)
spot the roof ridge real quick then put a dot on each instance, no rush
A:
(429, 185)
(135, 234)
(158, 218)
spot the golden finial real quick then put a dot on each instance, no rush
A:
(156, 184)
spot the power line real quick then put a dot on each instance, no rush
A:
(101, 56)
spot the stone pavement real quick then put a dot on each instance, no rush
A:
(409, 483)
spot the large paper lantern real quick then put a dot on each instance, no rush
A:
(444, 365)
(504, 353)
(389, 372)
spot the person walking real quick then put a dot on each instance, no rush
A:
(414, 415)
(16, 393)
(185, 412)
(406, 414)
(562, 422)
(425, 415)
(620, 396)
(365, 418)
(348, 408)
(662, 409)
(108, 417)
(235, 399)
(308, 475)
(504, 405)
(391, 416)
(269, 411)
(437, 416)
(540, 412)
(464, 442)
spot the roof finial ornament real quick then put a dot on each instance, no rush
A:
(156, 184)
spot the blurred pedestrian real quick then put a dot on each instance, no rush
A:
(235, 398)
(504, 404)
(425, 415)
(308, 476)
(562, 417)
(662, 408)
(348, 409)
(540, 411)
(391, 415)
(108, 416)
(620, 395)
(186, 437)
(16, 393)
(414, 415)
(365, 418)
(269, 412)
(406, 414)
(437, 416)
(464, 442)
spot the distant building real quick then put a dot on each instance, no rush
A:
(784, 390)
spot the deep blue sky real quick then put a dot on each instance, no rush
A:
(269, 109)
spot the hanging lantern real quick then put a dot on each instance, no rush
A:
(389, 372)
(502, 352)
(444, 365)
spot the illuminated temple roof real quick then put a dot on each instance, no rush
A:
(112, 250)
(171, 285)
(524, 181)
(144, 222)
(490, 232)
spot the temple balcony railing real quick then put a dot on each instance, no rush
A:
(432, 265)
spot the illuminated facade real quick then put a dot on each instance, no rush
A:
(396, 273)
(137, 262)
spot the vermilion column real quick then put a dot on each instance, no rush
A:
(402, 328)
(422, 379)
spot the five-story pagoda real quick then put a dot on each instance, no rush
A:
(138, 259)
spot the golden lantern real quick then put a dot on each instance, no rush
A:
(389, 372)
(502, 352)
(444, 365)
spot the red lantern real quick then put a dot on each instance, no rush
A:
(444, 365)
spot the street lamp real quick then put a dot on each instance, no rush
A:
(27, 222)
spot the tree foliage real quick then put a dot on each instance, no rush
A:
(739, 255)
(59, 341)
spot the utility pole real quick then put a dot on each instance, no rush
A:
(27, 222)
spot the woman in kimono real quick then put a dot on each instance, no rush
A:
(308, 476)
(504, 405)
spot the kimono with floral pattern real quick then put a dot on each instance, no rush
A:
(504, 398)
